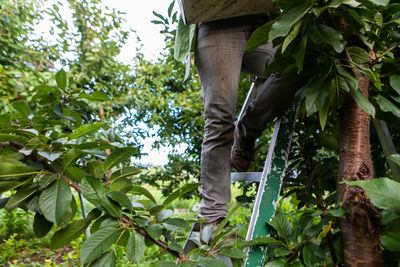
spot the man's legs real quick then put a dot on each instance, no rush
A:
(273, 94)
(219, 55)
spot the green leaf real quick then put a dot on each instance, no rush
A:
(276, 263)
(119, 155)
(155, 209)
(142, 222)
(22, 106)
(281, 224)
(323, 113)
(362, 101)
(387, 106)
(85, 130)
(262, 241)
(317, 90)
(68, 158)
(96, 96)
(12, 138)
(69, 213)
(391, 242)
(176, 224)
(106, 260)
(13, 168)
(165, 264)
(142, 191)
(135, 247)
(180, 192)
(170, 8)
(8, 185)
(299, 54)
(61, 79)
(378, 19)
(395, 83)
(383, 192)
(123, 239)
(311, 254)
(65, 235)
(283, 26)
(340, 213)
(124, 172)
(121, 199)
(352, 3)
(328, 141)
(97, 243)
(294, 32)
(95, 168)
(395, 158)
(111, 208)
(259, 36)
(41, 226)
(210, 262)
(206, 233)
(93, 189)
(229, 233)
(233, 253)
(320, 33)
(102, 222)
(75, 173)
(4, 121)
(175, 247)
(121, 185)
(358, 54)
(225, 221)
(51, 156)
(165, 214)
(350, 80)
(396, 98)
(21, 195)
(54, 201)
(370, 73)
(155, 231)
(380, 2)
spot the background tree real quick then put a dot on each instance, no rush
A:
(60, 134)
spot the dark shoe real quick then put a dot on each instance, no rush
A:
(242, 152)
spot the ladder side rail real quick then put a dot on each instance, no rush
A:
(271, 183)
(263, 180)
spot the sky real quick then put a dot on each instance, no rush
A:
(139, 15)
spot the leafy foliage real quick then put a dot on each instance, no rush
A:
(58, 130)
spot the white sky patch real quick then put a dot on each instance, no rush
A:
(138, 17)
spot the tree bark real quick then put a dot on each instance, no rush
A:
(361, 228)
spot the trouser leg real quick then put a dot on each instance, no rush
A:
(219, 55)
(273, 95)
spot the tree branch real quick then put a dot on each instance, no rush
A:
(73, 184)
(388, 50)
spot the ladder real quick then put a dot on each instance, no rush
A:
(270, 183)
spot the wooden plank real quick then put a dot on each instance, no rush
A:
(195, 11)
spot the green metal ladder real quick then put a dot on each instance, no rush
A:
(270, 183)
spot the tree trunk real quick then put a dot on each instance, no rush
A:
(361, 228)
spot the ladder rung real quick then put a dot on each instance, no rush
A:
(254, 177)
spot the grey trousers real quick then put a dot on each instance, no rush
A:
(220, 58)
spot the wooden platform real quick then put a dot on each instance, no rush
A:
(195, 11)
